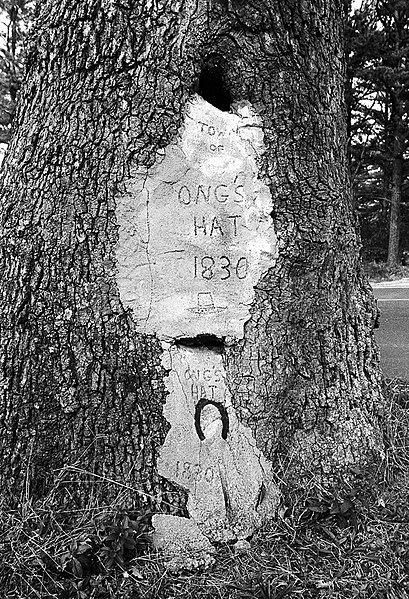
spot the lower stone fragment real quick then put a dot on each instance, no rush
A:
(183, 545)
(210, 453)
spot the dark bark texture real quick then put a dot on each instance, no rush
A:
(82, 389)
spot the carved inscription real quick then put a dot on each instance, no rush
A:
(195, 230)
(209, 452)
(188, 471)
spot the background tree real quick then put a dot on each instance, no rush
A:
(379, 117)
(106, 89)
(15, 17)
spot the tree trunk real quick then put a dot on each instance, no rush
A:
(106, 100)
(398, 145)
(395, 212)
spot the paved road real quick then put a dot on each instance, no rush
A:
(393, 332)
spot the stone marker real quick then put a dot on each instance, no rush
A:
(180, 539)
(195, 236)
(195, 230)
(208, 451)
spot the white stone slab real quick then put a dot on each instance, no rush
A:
(209, 452)
(183, 545)
(195, 237)
(195, 231)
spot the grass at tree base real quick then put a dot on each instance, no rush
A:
(356, 547)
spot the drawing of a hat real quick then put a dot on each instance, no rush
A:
(205, 303)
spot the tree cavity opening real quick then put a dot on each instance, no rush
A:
(212, 84)
(207, 341)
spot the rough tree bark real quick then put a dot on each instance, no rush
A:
(106, 90)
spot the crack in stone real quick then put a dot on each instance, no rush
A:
(148, 257)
